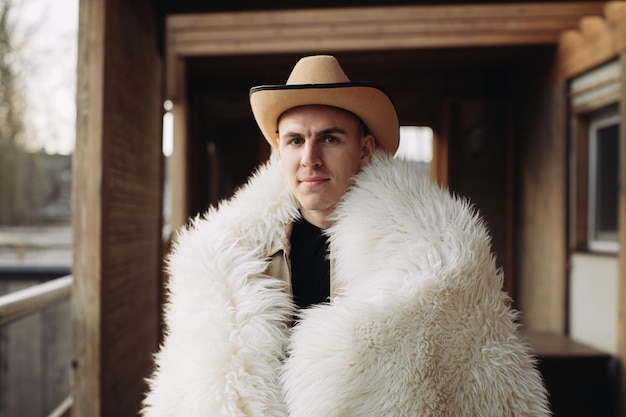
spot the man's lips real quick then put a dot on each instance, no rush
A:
(313, 181)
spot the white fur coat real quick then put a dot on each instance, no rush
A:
(419, 325)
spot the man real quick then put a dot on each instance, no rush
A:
(396, 297)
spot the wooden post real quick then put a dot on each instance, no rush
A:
(116, 206)
(177, 164)
(86, 209)
(621, 320)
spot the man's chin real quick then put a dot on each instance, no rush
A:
(316, 206)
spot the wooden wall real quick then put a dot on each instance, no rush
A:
(480, 167)
(542, 201)
(621, 330)
(116, 206)
(543, 267)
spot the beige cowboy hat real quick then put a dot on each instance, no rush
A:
(319, 79)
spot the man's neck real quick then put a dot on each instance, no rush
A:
(317, 218)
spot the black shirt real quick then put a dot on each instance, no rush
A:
(310, 266)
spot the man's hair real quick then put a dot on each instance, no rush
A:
(364, 130)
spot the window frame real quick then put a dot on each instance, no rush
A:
(597, 121)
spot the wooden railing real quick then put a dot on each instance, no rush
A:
(64, 409)
(33, 299)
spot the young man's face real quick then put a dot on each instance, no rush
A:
(320, 149)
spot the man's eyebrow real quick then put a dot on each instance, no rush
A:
(289, 134)
(331, 130)
(323, 132)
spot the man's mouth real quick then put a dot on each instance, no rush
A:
(313, 181)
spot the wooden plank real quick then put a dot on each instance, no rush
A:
(615, 11)
(117, 206)
(398, 27)
(439, 164)
(593, 27)
(374, 28)
(580, 192)
(619, 35)
(372, 42)
(177, 163)
(131, 206)
(596, 88)
(510, 279)
(384, 14)
(597, 40)
(590, 54)
(542, 154)
(570, 41)
(359, 38)
(621, 321)
(479, 167)
(86, 209)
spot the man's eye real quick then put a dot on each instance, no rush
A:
(296, 141)
(330, 139)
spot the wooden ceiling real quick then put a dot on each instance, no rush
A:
(374, 28)
(208, 40)
(203, 6)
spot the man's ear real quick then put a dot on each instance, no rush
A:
(368, 145)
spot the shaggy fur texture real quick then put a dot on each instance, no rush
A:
(419, 325)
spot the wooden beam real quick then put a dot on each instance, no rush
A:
(373, 28)
(541, 154)
(371, 42)
(399, 27)
(387, 14)
(86, 212)
(621, 320)
(178, 167)
(117, 201)
(596, 40)
(615, 11)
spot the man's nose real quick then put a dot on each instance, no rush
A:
(311, 155)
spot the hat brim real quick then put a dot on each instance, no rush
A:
(367, 101)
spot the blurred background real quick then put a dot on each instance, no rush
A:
(38, 47)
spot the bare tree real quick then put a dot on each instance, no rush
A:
(20, 189)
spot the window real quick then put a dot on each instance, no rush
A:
(603, 180)
(594, 176)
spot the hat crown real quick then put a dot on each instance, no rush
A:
(318, 69)
(320, 80)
